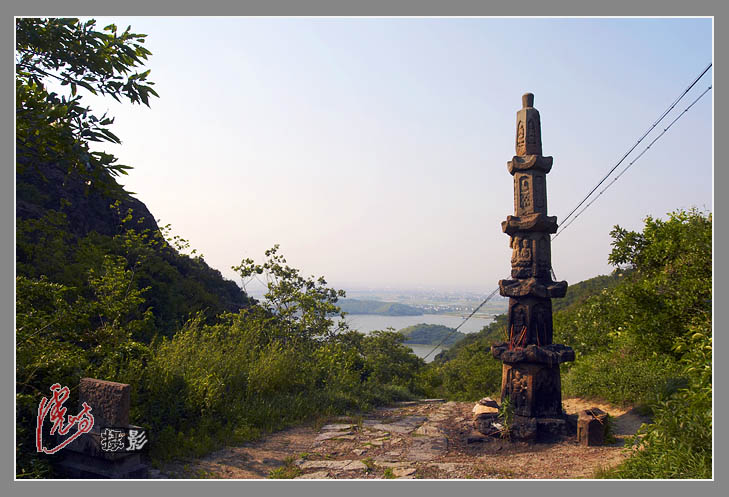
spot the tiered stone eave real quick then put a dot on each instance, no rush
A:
(529, 162)
(532, 287)
(536, 222)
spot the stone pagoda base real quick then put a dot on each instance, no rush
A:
(531, 382)
(84, 458)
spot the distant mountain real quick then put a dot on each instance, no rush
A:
(431, 334)
(354, 306)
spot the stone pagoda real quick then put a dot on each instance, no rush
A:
(530, 379)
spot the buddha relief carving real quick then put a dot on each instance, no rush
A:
(525, 193)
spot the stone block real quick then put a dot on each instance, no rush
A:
(591, 425)
(534, 390)
(549, 355)
(552, 429)
(80, 465)
(484, 423)
(523, 428)
(109, 401)
(478, 409)
(488, 401)
(84, 457)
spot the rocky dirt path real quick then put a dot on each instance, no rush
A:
(421, 439)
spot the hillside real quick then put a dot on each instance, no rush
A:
(66, 227)
(354, 306)
(430, 334)
(494, 332)
(579, 292)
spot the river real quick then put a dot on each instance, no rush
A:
(365, 323)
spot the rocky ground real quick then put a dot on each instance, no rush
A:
(420, 439)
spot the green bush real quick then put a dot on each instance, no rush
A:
(471, 375)
(267, 367)
(648, 340)
(621, 377)
(679, 441)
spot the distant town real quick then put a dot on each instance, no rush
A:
(435, 301)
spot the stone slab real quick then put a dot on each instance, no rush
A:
(404, 425)
(328, 435)
(429, 430)
(479, 409)
(337, 427)
(427, 448)
(317, 475)
(78, 465)
(404, 472)
(342, 465)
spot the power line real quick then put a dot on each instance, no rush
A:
(637, 143)
(490, 296)
(632, 162)
(462, 322)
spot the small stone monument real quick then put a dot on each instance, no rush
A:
(530, 377)
(591, 426)
(85, 457)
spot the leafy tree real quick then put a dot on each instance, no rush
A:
(666, 286)
(58, 129)
(305, 305)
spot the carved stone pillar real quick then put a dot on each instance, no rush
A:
(531, 379)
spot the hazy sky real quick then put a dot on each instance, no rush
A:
(374, 150)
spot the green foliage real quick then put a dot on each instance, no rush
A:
(492, 333)
(52, 128)
(678, 443)
(647, 340)
(470, 375)
(62, 336)
(625, 337)
(506, 415)
(579, 292)
(620, 377)
(304, 306)
(431, 334)
(466, 371)
(388, 362)
(178, 285)
(288, 471)
(268, 366)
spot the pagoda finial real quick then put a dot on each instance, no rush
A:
(528, 128)
(527, 100)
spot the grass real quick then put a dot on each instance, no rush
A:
(370, 463)
(609, 433)
(388, 474)
(288, 471)
(602, 472)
